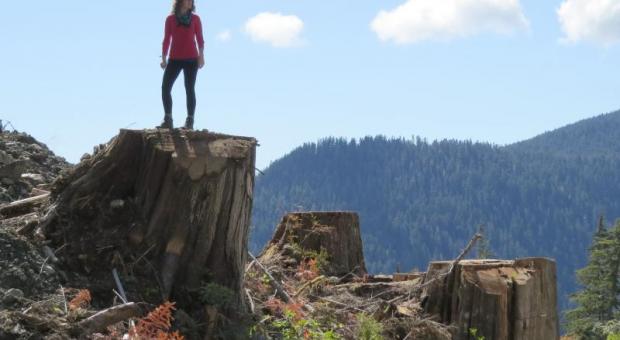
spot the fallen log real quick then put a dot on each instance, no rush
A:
(24, 206)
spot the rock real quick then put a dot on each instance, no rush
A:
(117, 204)
(12, 295)
(35, 147)
(22, 154)
(5, 158)
(39, 157)
(34, 178)
(20, 266)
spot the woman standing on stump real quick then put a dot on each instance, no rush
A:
(183, 30)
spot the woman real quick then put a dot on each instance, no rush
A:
(183, 30)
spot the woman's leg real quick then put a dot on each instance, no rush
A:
(190, 72)
(170, 75)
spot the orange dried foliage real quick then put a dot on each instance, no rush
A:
(296, 309)
(275, 306)
(156, 324)
(307, 270)
(81, 300)
(161, 335)
(113, 332)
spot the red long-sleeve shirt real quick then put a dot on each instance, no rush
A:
(183, 38)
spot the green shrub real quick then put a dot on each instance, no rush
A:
(368, 328)
(474, 332)
(293, 329)
(215, 295)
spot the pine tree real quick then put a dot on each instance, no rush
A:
(598, 302)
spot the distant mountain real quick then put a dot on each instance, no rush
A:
(421, 201)
(598, 136)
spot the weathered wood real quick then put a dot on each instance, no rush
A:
(108, 317)
(500, 299)
(183, 198)
(38, 192)
(398, 277)
(535, 311)
(336, 233)
(22, 207)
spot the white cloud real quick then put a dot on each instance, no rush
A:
(596, 21)
(274, 28)
(224, 36)
(418, 20)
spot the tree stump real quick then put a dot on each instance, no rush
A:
(169, 209)
(498, 299)
(335, 233)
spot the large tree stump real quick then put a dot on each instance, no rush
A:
(336, 233)
(513, 300)
(168, 208)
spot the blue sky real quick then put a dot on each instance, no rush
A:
(74, 72)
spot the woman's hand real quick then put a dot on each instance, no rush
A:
(201, 61)
(163, 64)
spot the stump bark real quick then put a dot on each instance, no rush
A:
(513, 300)
(172, 207)
(336, 233)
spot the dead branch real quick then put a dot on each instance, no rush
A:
(119, 285)
(50, 254)
(456, 261)
(64, 298)
(351, 273)
(347, 306)
(274, 283)
(38, 323)
(45, 222)
(249, 266)
(307, 284)
(107, 317)
(32, 220)
(249, 295)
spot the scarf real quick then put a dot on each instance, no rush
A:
(184, 19)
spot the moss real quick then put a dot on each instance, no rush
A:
(215, 295)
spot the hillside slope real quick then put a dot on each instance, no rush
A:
(592, 137)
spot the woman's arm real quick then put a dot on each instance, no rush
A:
(201, 43)
(166, 43)
(201, 58)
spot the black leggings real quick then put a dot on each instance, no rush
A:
(190, 70)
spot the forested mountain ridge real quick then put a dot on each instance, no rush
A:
(592, 137)
(421, 201)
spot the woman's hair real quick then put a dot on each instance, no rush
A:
(176, 6)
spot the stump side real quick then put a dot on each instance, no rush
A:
(336, 233)
(185, 204)
(500, 299)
